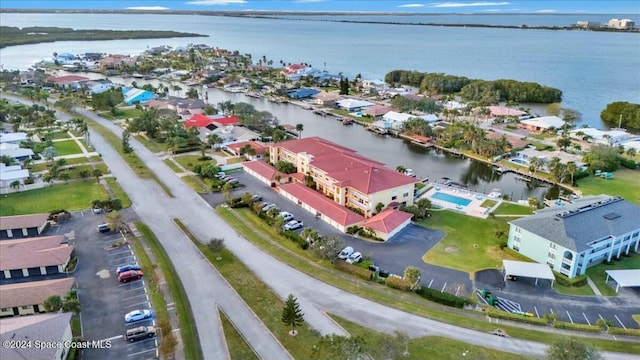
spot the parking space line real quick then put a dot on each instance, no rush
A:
(121, 258)
(443, 287)
(132, 297)
(569, 317)
(131, 289)
(142, 352)
(586, 318)
(138, 304)
(600, 316)
(116, 252)
(430, 282)
(457, 290)
(114, 337)
(536, 310)
(551, 310)
(127, 283)
(616, 316)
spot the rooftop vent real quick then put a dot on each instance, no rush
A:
(611, 216)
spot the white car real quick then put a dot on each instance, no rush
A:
(345, 253)
(286, 216)
(269, 207)
(355, 258)
(293, 225)
(220, 175)
(138, 315)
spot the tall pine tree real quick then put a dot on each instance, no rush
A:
(291, 314)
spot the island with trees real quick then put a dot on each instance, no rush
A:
(11, 36)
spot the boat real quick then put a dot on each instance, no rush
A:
(495, 194)
(347, 121)
(137, 75)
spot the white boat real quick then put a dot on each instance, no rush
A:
(409, 172)
(495, 194)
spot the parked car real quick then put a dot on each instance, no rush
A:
(227, 178)
(129, 275)
(140, 332)
(269, 207)
(97, 210)
(127, 267)
(286, 216)
(293, 225)
(355, 258)
(345, 253)
(233, 181)
(220, 175)
(138, 315)
(256, 197)
(104, 228)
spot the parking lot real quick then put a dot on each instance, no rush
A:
(405, 249)
(105, 301)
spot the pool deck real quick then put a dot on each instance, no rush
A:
(473, 209)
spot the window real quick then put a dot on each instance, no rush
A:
(516, 247)
(551, 255)
(553, 245)
(4, 309)
(516, 239)
(26, 307)
(394, 197)
(518, 230)
(405, 194)
(635, 234)
(550, 263)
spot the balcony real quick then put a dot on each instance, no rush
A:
(567, 261)
(565, 272)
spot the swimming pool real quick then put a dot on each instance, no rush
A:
(520, 162)
(450, 198)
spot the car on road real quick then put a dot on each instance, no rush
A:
(345, 253)
(140, 332)
(269, 207)
(286, 216)
(138, 315)
(293, 225)
(129, 275)
(355, 258)
(104, 228)
(127, 267)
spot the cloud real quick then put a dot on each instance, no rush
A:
(411, 5)
(474, 4)
(147, 8)
(491, 10)
(216, 2)
(546, 11)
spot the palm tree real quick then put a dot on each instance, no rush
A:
(97, 173)
(535, 163)
(15, 185)
(571, 169)
(630, 151)
(299, 128)
(401, 168)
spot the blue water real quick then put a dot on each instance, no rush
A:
(519, 162)
(450, 198)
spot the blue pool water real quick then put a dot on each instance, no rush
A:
(519, 162)
(452, 199)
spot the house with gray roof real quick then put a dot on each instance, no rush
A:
(46, 328)
(576, 236)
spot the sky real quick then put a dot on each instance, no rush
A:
(450, 6)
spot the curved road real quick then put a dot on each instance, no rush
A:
(315, 296)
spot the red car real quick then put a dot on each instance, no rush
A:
(129, 275)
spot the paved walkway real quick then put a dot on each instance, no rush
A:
(593, 286)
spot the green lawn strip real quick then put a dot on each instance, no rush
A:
(69, 147)
(598, 273)
(624, 183)
(238, 347)
(153, 146)
(196, 184)
(488, 203)
(259, 297)
(118, 192)
(512, 209)
(188, 329)
(134, 162)
(636, 318)
(235, 160)
(573, 290)
(412, 303)
(427, 347)
(172, 165)
(72, 196)
(121, 114)
(57, 135)
(469, 244)
(189, 161)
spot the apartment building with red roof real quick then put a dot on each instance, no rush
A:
(33, 257)
(28, 298)
(388, 222)
(344, 176)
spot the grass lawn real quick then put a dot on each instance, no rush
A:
(469, 244)
(488, 203)
(573, 290)
(73, 161)
(152, 145)
(513, 209)
(196, 184)
(172, 165)
(118, 192)
(428, 347)
(624, 183)
(68, 147)
(73, 196)
(189, 161)
(598, 275)
(121, 114)
(235, 160)
(58, 135)
(238, 348)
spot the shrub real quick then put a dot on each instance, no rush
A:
(365, 274)
(353, 229)
(396, 282)
(625, 332)
(499, 314)
(441, 297)
(578, 327)
(565, 281)
(302, 243)
(516, 255)
(28, 181)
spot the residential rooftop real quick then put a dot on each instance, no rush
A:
(22, 221)
(34, 252)
(33, 292)
(47, 328)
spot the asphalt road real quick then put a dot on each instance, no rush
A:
(157, 210)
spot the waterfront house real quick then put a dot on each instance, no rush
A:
(581, 234)
(135, 96)
(542, 124)
(302, 93)
(11, 173)
(21, 226)
(96, 86)
(611, 137)
(352, 105)
(240, 149)
(186, 107)
(230, 133)
(622, 24)
(327, 99)
(72, 82)
(526, 154)
(377, 111)
(396, 119)
(46, 328)
(36, 256)
(27, 298)
(341, 174)
(500, 111)
(113, 62)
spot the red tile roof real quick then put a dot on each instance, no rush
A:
(259, 147)
(22, 221)
(371, 179)
(69, 79)
(198, 121)
(298, 176)
(387, 221)
(421, 139)
(228, 120)
(33, 292)
(33, 252)
(261, 168)
(377, 110)
(322, 204)
(313, 145)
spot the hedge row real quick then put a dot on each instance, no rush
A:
(579, 327)
(499, 314)
(365, 274)
(441, 297)
(399, 283)
(626, 332)
(302, 243)
(565, 281)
